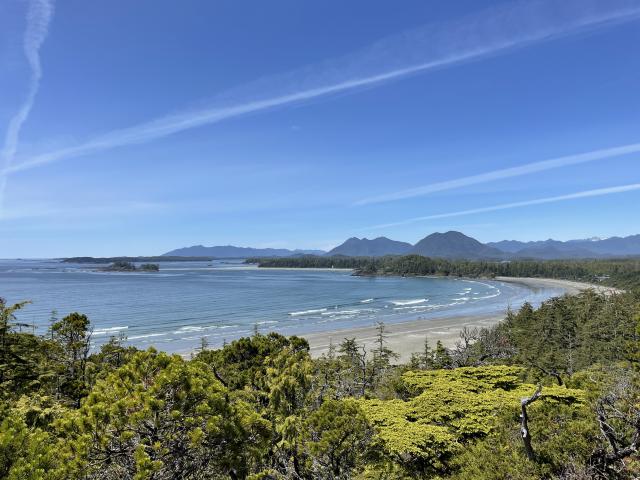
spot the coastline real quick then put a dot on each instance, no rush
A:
(406, 338)
(571, 287)
(313, 269)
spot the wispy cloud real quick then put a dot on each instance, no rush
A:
(506, 206)
(504, 173)
(39, 16)
(113, 209)
(491, 32)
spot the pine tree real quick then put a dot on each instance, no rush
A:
(441, 357)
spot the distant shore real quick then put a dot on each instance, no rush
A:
(406, 338)
(312, 269)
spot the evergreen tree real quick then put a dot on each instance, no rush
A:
(73, 338)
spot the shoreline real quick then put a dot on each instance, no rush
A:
(406, 338)
(313, 269)
(571, 287)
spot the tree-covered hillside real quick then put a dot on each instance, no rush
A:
(623, 273)
(552, 392)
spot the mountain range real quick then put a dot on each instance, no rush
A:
(377, 247)
(453, 245)
(229, 251)
(586, 248)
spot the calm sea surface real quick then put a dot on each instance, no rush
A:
(224, 300)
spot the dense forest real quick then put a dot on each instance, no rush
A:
(624, 273)
(552, 392)
(159, 258)
(122, 266)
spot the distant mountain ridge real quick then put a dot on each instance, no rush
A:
(377, 247)
(452, 245)
(455, 245)
(583, 248)
(230, 251)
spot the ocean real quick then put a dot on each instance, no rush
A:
(223, 300)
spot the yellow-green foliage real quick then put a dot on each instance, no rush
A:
(449, 407)
(474, 379)
(28, 453)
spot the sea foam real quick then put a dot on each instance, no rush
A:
(109, 330)
(307, 312)
(410, 302)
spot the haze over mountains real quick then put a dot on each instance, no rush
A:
(229, 251)
(586, 248)
(452, 245)
(363, 247)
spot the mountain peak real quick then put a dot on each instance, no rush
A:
(377, 247)
(453, 244)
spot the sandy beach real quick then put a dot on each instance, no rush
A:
(568, 286)
(408, 337)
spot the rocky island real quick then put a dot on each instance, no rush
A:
(122, 266)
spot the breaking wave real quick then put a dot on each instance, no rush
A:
(410, 302)
(307, 312)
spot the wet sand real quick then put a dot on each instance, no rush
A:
(408, 337)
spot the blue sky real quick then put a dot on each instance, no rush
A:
(139, 127)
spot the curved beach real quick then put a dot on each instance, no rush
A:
(408, 337)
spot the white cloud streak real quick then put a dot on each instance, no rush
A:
(505, 173)
(494, 31)
(39, 16)
(506, 206)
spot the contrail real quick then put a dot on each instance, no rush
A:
(39, 16)
(504, 173)
(494, 31)
(505, 206)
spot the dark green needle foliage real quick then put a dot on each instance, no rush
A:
(262, 408)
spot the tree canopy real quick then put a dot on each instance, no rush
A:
(550, 392)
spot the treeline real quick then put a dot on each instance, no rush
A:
(623, 273)
(552, 392)
(159, 258)
(122, 266)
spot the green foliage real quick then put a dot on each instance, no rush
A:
(16, 366)
(448, 408)
(121, 266)
(567, 334)
(241, 364)
(162, 417)
(289, 380)
(150, 267)
(262, 408)
(29, 453)
(617, 273)
(413, 445)
(72, 338)
(112, 355)
(563, 437)
(336, 439)
(155, 259)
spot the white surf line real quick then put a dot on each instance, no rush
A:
(39, 15)
(494, 31)
(560, 198)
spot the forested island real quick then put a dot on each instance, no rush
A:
(622, 273)
(550, 392)
(122, 266)
(155, 259)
